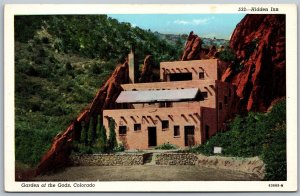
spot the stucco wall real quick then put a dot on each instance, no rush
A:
(195, 66)
(184, 116)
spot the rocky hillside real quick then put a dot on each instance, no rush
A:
(260, 65)
(254, 61)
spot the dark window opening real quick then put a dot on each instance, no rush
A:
(204, 94)
(122, 130)
(201, 75)
(220, 105)
(169, 104)
(225, 100)
(176, 131)
(165, 124)
(137, 127)
(229, 93)
(165, 104)
(181, 76)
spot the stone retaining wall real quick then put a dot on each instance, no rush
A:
(176, 159)
(253, 165)
(108, 159)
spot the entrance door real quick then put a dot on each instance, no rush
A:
(189, 139)
(206, 132)
(151, 136)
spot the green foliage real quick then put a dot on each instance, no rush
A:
(95, 36)
(256, 134)
(119, 148)
(274, 153)
(250, 47)
(101, 143)
(166, 146)
(112, 141)
(227, 55)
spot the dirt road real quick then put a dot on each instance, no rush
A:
(146, 173)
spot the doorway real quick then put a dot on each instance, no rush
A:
(152, 136)
(206, 132)
(189, 132)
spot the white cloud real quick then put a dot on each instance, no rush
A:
(194, 21)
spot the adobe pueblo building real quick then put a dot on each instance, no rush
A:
(187, 107)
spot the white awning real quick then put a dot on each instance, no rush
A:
(144, 96)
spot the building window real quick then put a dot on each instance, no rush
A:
(181, 76)
(220, 105)
(165, 104)
(122, 130)
(201, 75)
(229, 93)
(169, 104)
(204, 94)
(176, 131)
(137, 127)
(164, 124)
(225, 100)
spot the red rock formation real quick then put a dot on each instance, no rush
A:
(212, 52)
(192, 47)
(259, 71)
(147, 71)
(58, 154)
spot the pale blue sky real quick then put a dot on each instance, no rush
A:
(204, 25)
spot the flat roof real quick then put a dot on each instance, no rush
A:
(191, 62)
(145, 96)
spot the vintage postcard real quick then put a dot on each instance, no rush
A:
(150, 98)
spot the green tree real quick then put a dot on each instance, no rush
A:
(102, 139)
(112, 141)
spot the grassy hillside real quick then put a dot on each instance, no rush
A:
(257, 134)
(60, 63)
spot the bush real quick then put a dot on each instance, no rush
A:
(112, 141)
(227, 55)
(274, 153)
(119, 148)
(166, 146)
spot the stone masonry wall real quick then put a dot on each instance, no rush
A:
(107, 159)
(176, 159)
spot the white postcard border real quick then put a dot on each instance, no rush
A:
(127, 186)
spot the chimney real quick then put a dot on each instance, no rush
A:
(131, 66)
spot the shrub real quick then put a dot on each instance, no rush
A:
(250, 47)
(166, 146)
(101, 143)
(274, 153)
(112, 141)
(119, 148)
(227, 55)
